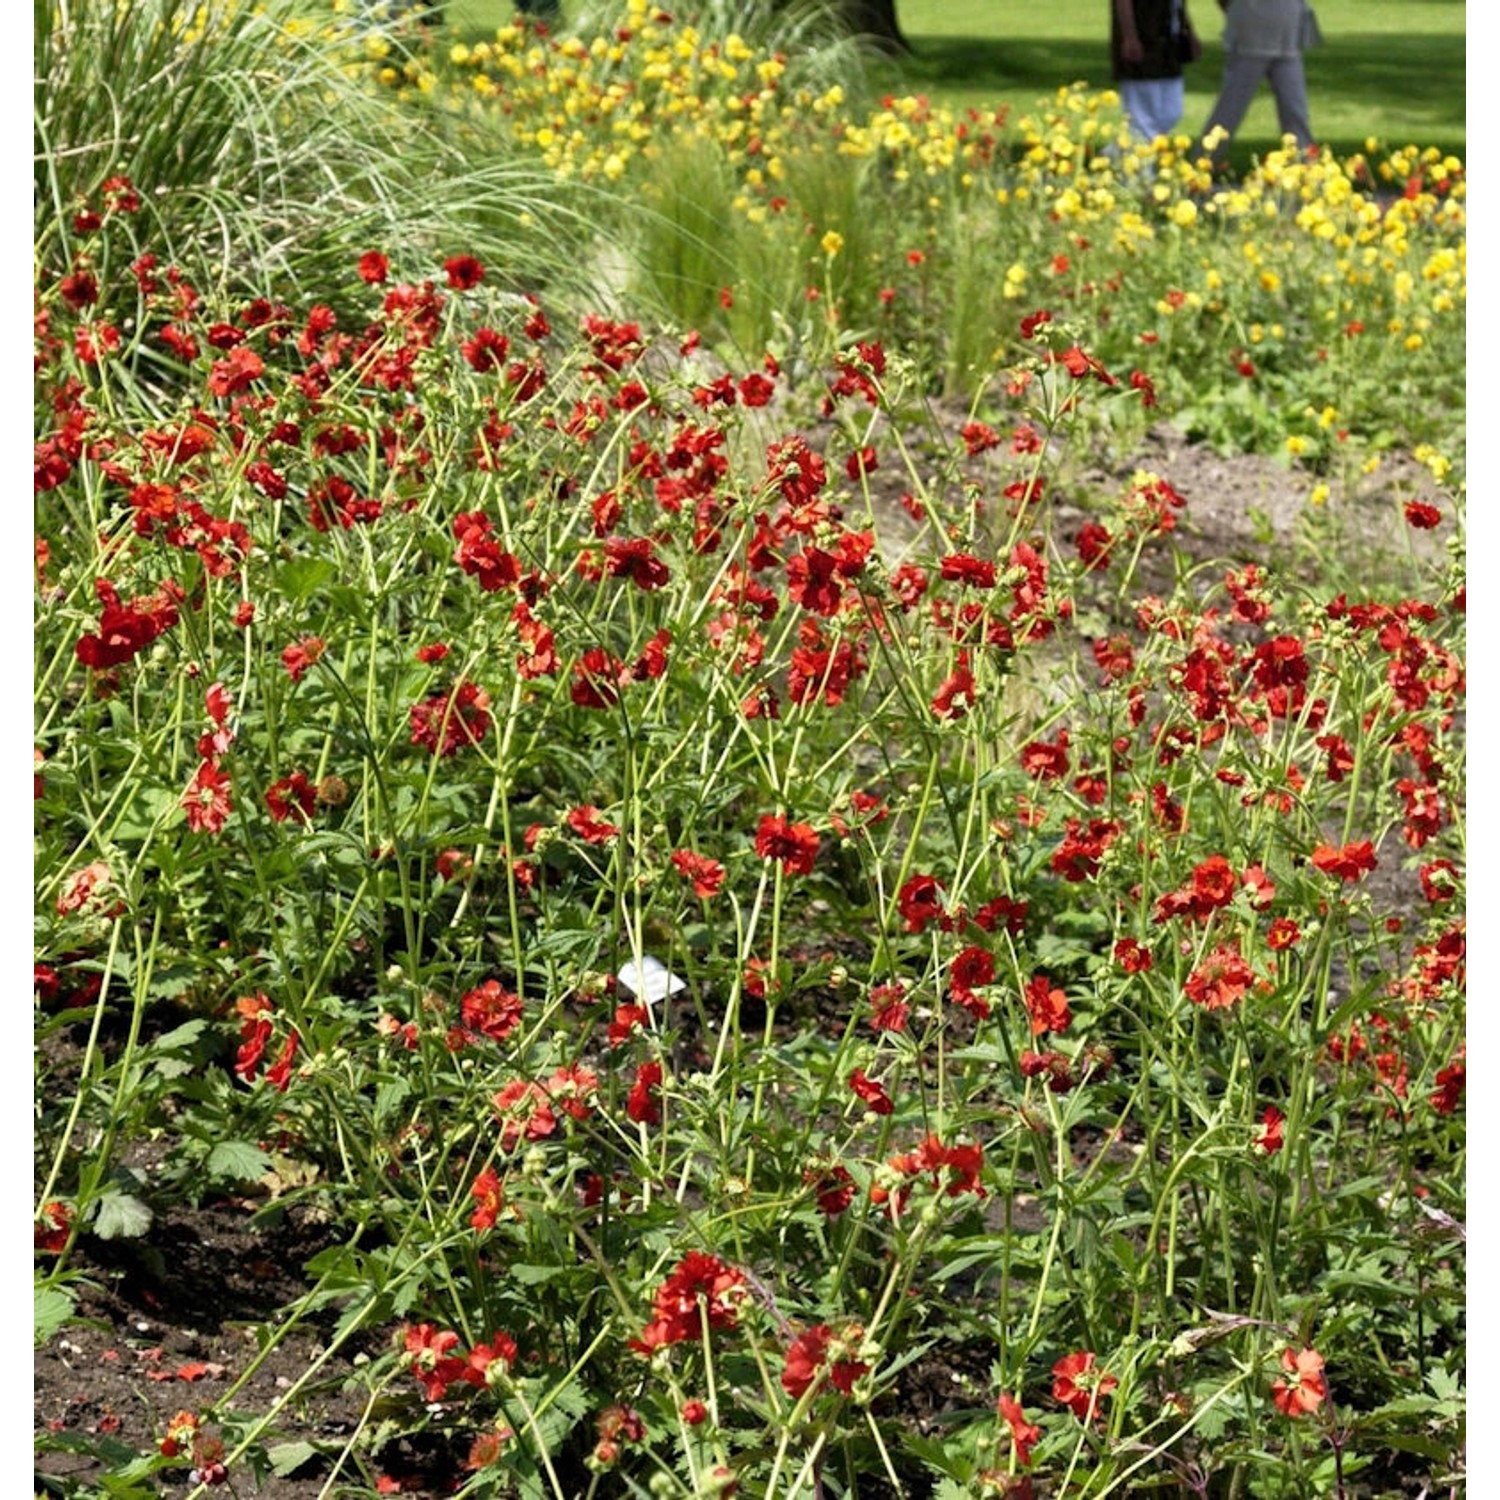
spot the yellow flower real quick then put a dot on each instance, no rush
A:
(1296, 445)
(1184, 213)
(1319, 495)
(832, 242)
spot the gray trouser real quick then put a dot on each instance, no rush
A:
(1242, 76)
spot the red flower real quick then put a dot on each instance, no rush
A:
(1047, 1007)
(973, 572)
(652, 662)
(491, 1010)
(1094, 543)
(571, 1089)
(125, 630)
(373, 267)
(1307, 1389)
(1282, 933)
(1133, 957)
(1046, 762)
(970, 971)
(701, 1288)
(1422, 515)
(978, 438)
(1348, 862)
(207, 801)
(291, 792)
(1269, 1138)
(464, 272)
(255, 1033)
(955, 696)
(1220, 980)
(499, 1353)
(181, 1431)
(1439, 880)
(888, 1008)
(486, 351)
(596, 679)
(299, 657)
(525, 1109)
(445, 723)
(706, 875)
(832, 1186)
(814, 580)
(1450, 1083)
(489, 1195)
(919, 903)
(279, 1074)
(49, 1236)
(871, 1091)
(235, 373)
(794, 844)
(1078, 364)
(1078, 856)
(480, 555)
(643, 1104)
(431, 1361)
(627, 1020)
(810, 1352)
(1079, 1386)
(1026, 1435)
(590, 827)
(635, 558)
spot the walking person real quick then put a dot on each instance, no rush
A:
(1149, 40)
(1263, 39)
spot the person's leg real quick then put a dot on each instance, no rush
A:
(1153, 106)
(1289, 85)
(1242, 76)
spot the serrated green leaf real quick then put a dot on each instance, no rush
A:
(535, 1275)
(238, 1160)
(287, 1458)
(305, 576)
(121, 1216)
(939, 1457)
(52, 1307)
(389, 1098)
(180, 1038)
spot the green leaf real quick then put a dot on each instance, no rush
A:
(52, 1307)
(287, 1458)
(305, 576)
(938, 1457)
(180, 1038)
(389, 1098)
(535, 1275)
(238, 1160)
(121, 1216)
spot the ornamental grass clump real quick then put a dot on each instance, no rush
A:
(261, 155)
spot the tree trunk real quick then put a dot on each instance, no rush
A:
(875, 19)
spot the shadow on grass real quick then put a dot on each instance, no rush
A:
(1405, 90)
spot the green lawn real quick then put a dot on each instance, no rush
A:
(1393, 69)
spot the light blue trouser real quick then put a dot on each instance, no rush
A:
(1242, 76)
